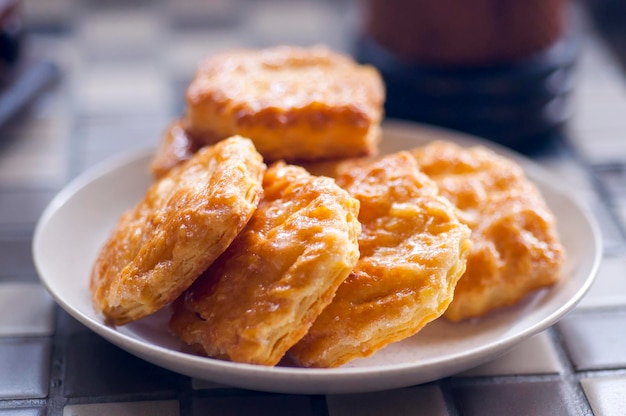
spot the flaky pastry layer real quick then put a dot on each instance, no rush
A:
(413, 250)
(295, 103)
(176, 147)
(516, 248)
(185, 221)
(260, 297)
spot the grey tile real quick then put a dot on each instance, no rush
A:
(183, 52)
(611, 147)
(98, 368)
(119, 89)
(609, 287)
(595, 64)
(606, 394)
(32, 152)
(536, 355)
(612, 238)
(423, 400)
(97, 6)
(259, 405)
(621, 211)
(300, 22)
(107, 134)
(33, 169)
(47, 13)
(49, 116)
(198, 384)
(154, 408)
(119, 29)
(599, 102)
(30, 411)
(184, 14)
(613, 176)
(592, 340)
(105, 137)
(68, 325)
(549, 398)
(25, 367)
(26, 309)
(20, 209)
(16, 260)
(569, 171)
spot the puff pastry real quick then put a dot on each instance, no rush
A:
(185, 221)
(260, 297)
(516, 249)
(413, 250)
(176, 147)
(295, 103)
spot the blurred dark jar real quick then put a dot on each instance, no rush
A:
(11, 34)
(500, 69)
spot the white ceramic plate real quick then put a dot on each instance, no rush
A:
(80, 218)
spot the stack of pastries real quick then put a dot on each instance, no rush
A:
(260, 258)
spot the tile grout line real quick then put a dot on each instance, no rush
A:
(569, 375)
(56, 398)
(319, 405)
(600, 189)
(608, 197)
(445, 386)
(185, 396)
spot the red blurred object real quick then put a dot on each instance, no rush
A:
(499, 69)
(465, 33)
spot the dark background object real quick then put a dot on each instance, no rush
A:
(21, 78)
(11, 35)
(523, 105)
(502, 69)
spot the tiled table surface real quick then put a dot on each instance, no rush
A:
(124, 73)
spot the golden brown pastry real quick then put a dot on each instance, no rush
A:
(516, 249)
(176, 147)
(185, 221)
(260, 297)
(295, 103)
(413, 250)
(328, 167)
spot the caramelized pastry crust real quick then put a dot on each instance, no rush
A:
(294, 103)
(515, 249)
(260, 297)
(176, 147)
(185, 221)
(413, 250)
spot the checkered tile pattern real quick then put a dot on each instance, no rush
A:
(124, 68)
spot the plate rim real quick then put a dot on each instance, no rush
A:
(399, 372)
